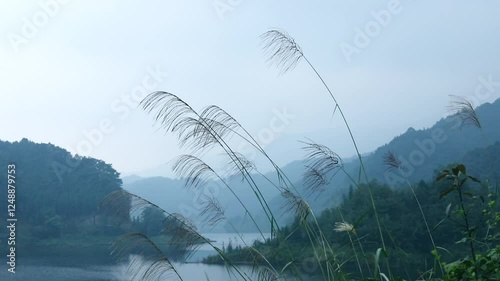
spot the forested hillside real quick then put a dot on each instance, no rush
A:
(57, 193)
(400, 214)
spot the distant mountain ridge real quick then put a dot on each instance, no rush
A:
(422, 153)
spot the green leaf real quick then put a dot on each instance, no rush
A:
(377, 260)
(356, 223)
(445, 192)
(474, 179)
(448, 209)
(286, 266)
(444, 249)
(468, 194)
(443, 175)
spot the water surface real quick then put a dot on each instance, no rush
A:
(99, 268)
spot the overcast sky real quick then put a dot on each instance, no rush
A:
(69, 68)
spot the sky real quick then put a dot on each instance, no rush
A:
(73, 72)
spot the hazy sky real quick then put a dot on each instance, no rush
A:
(70, 68)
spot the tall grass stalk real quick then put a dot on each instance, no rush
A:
(393, 163)
(159, 263)
(349, 233)
(285, 53)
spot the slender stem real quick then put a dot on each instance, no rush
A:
(252, 141)
(353, 247)
(425, 220)
(363, 252)
(190, 228)
(358, 154)
(246, 174)
(469, 232)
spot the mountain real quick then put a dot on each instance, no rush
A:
(130, 179)
(53, 193)
(483, 162)
(421, 153)
(174, 197)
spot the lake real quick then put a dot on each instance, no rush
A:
(76, 268)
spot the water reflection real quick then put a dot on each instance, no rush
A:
(97, 265)
(137, 267)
